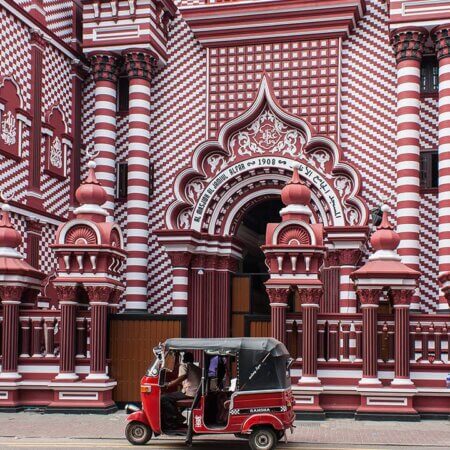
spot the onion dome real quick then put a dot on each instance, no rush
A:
(385, 240)
(91, 195)
(295, 192)
(10, 238)
(297, 197)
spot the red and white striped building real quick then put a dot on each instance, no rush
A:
(197, 114)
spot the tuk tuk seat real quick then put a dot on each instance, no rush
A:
(185, 403)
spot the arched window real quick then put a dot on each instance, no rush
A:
(56, 143)
(12, 118)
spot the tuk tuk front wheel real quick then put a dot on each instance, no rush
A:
(138, 433)
(263, 438)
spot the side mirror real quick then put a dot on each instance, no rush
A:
(162, 377)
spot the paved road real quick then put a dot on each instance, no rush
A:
(34, 430)
(203, 444)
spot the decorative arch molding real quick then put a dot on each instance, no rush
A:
(258, 148)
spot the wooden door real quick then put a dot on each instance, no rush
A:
(240, 303)
(131, 345)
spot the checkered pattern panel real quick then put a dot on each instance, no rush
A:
(20, 224)
(368, 121)
(87, 112)
(429, 123)
(56, 90)
(58, 14)
(15, 60)
(177, 126)
(429, 248)
(305, 78)
(47, 258)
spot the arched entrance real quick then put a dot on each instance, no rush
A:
(249, 296)
(236, 178)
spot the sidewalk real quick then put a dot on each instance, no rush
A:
(425, 434)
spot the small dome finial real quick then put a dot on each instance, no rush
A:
(385, 238)
(295, 192)
(10, 238)
(90, 194)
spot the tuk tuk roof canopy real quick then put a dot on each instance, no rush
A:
(226, 345)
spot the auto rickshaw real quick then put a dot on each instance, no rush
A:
(251, 400)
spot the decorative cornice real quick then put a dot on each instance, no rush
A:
(441, 39)
(228, 22)
(409, 43)
(139, 63)
(104, 66)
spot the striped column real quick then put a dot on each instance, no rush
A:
(408, 47)
(104, 69)
(138, 64)
(180, 271)
(441, 37)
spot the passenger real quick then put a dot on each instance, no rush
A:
(189, 377)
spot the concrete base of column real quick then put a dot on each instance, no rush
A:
(369, 382)
(10, 376)
(309, 381)
(402, 383)
(97, 377)
(66, 377)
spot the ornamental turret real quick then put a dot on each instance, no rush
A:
(19, 285)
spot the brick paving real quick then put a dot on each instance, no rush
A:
(426, 434)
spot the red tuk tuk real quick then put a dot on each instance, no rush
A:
(253, 400)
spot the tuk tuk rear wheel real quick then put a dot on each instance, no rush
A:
(263, 438)
(138, 433)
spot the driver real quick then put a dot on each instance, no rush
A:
(189, 377)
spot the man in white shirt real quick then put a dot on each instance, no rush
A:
(189, 376)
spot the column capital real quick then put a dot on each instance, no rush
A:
(278, 296)
(37, 38)
(310, 296)
(349, 256)
(441, 39)
(11, 293)
(66, 293)
(99, 294)
(180, 259)
(369, 297)
(139, 63)
(104, 66)
(409, 43)
(402, 297)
